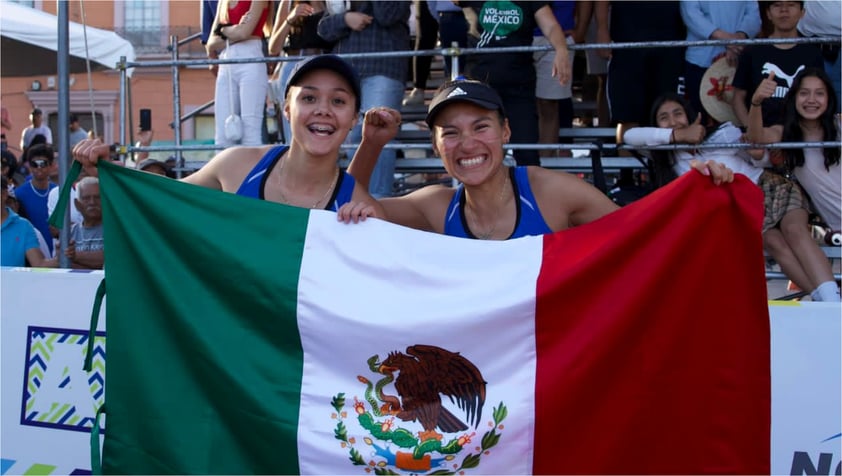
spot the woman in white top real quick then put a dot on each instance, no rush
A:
(808, 117)
(785, 232)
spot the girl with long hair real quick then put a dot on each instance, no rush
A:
(808, 117)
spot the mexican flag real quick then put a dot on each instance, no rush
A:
(251, 337)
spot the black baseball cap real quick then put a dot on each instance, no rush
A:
(466, 90)
(331, 62)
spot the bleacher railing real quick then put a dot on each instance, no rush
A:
(455, 53)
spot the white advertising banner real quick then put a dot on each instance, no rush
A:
(49, 402)
(806, 388)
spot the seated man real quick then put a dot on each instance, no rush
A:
(85, 249)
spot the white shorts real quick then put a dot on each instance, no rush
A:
(546, 86)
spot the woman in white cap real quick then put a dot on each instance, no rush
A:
(493, 202)
(322, 105)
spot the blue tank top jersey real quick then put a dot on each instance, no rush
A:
(254, 182)
(529, 220)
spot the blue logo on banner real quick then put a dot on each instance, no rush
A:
(57, 392)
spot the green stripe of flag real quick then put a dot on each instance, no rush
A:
(207, 398)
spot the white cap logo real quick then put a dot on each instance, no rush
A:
(456, 92)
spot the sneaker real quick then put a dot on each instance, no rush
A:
(414, 98)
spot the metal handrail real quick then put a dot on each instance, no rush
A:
(455, 53)
(474, 51)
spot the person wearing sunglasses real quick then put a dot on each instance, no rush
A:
(33, 193)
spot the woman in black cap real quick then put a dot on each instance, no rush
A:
(493, 201)
(322, 105)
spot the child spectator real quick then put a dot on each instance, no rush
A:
(33, 193)
(785, 60)
(821, 18)
(807, 117)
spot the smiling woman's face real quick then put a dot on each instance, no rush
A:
(321, 109)
(811, 98)
(469, 139)
(671, 115)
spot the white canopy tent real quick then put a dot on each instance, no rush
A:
(29, 43)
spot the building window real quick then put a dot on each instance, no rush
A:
(143, 23)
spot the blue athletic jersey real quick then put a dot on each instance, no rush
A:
(255, 181)
(529, 220)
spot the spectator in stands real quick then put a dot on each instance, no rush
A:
(85, 248)
(18, 240)
(785, 232)
(494, 202)
(512, 75)
(36, 127)
(367, 27)
(23, 166)
(808, 117)
(636, 76)
(33, 193)
(238, 32)
(426, 37)
(785, 60)
(714, 20)
(452, 28)
(821, 18)
(295, 33)
(554, 100)
(77, 133)
(322, 103)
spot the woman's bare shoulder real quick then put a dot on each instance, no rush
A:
(227, 169)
